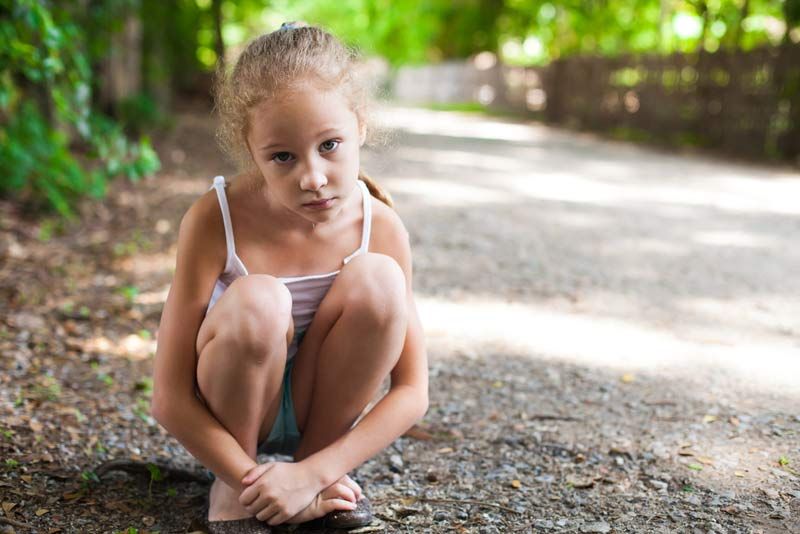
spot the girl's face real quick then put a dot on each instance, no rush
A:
(306, 144)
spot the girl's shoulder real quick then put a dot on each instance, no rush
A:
(389, 235)
(202, 229)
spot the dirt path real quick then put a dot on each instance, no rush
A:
(614, 337)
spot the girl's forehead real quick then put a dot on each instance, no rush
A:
(302, 113)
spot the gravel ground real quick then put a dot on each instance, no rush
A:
(614, 336)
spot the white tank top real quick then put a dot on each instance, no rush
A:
(307, 291)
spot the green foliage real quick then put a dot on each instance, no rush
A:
(54, 148)
(522, 31)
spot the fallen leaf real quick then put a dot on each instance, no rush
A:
(516, 484)
(36, 426)
(444, 450)
(580, 483)
(8, 506)
(415, 432)
(627, 378)
(695, 467)
(497, 384)
(705, 460)
(41, 511)
(27, 478)
(685, 452)
(709, 418)
(408, 501)
(734, 420)
(739, 473)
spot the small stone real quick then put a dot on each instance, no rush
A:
(462, 515)
(600, 527)
(544, 524)
(440, 516)
(396, 463)
(660, 485)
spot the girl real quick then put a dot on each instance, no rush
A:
(292, 298)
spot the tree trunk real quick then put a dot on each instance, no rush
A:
(219, 43)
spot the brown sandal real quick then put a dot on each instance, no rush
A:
(360, 517)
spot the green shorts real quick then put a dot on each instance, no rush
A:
(284, 436)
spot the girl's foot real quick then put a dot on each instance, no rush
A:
(223, 503)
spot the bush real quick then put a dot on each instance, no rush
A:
(54, 148)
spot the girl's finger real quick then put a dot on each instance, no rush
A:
(248, 495)
(350, 483)
(330, 505)
(277, 519)
(256, 472)
(267, 513)
(340, 490)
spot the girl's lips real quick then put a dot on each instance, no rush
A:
(320, 204)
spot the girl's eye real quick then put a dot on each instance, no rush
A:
(282, 157)
(329, 145)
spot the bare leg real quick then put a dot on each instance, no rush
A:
(352, 345)
(242, 354)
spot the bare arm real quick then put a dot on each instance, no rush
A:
(175, 405)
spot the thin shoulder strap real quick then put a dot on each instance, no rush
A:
(367, 222)
(367, 226)
(219, 185)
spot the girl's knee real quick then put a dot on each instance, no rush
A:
(376, 287)
(260, 310)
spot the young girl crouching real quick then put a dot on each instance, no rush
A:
(292, 297)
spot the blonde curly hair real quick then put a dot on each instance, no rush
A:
(280, 60)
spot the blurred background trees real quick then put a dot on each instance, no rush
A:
(82, 82)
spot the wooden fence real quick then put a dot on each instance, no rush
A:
(741, 103)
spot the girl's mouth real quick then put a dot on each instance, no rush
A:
(320, 204)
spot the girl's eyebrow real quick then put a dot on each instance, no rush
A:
(319, 134)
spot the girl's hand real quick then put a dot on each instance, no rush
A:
(279, 491)
(342, 495)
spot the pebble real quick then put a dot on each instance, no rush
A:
(660, 485)
(694, 499)
(544, 524)
(596, 527)
(439, 515)
(396, 463)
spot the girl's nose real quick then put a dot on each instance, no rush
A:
(313, 180)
